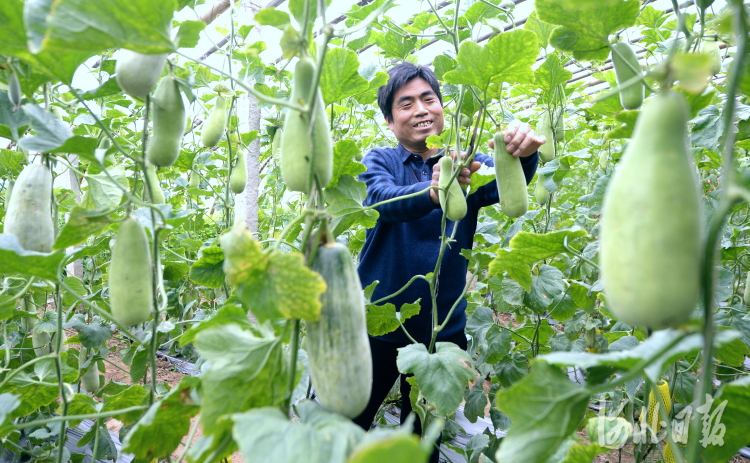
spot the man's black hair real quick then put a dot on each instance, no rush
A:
(399, 76)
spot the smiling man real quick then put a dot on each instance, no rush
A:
(406, 239)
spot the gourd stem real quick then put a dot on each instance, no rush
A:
(731, 195)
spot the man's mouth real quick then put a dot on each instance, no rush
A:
(423, 124)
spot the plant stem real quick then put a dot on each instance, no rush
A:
(88, 416)
(292, 365)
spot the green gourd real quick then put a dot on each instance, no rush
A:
(8, 192)
(238, 179)
(27, 323)
(603, 159)
(131, 291)
(45, 343)
(297, 148)
(465, 120)
(541, 193)
(153, 180)
(14, 90)
(544, 128)
(711, 49)
(337, 344)
(560, 126)
(651, 241)
(195, 180)
(626, 67)
(168, 114)
(511, 182)
(90, 379)
(29, 211)
(136, 73)
(453, 201)
(746, 294)
(213, 128)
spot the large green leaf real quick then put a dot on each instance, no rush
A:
(528, 248)
(724, 429)
(600, 366)
(50, 132)
(266, 435)
(551, 74)
(15, 259)
(271, 284)
(158, 433)
(81, 224)
(102, 194)
(345, 205)
(546, 408)
(343, 162)
(227, 315)
(441, 376)
(540, 28)
(340, 78)
(208, 269)
(393, 447)
(585, 25)
(247, 371)
(141, 25)
(505, 58)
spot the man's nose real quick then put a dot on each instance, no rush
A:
(420, 107)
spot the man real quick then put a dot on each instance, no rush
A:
(406, 239)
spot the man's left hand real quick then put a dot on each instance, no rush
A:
(520, 140)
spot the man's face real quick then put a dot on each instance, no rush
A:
(417, 114)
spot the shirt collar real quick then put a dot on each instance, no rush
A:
(407, 156)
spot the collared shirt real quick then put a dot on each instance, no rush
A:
(406, 239)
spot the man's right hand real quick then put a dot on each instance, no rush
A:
(464, 178)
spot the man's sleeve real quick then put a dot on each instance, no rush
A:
(488, 194)
(381, 186)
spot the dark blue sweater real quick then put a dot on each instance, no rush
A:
(406, 239)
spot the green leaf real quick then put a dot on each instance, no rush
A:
(189, 33)
(102, 193)
(272, 17)
(475, 401)
(119, 398)
(343, 162)
(92, 334)
(727, 432)
(8, 404)
(174, 270)
(13, 120)
(81, 224)
(540, 28)
(159, 432)
(481, 177)
(551, 74)
(393, 447)
(50, 132)
(732, 353)
(208, 269)
(545, 407)
(11, 162)
(585, 25)
(345, 205)
(271, 284)
(528, 248)
(266, 435)
(443, 64)
(382, 319)
(139, 25)
(601, 366)
(441, 376)
(247, 371)
(15, 259)
(340, 78)
(229, 314)
(545, 287)
(108, 88)
(505, 58)
(30, 394)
